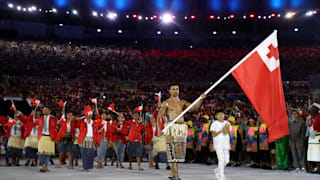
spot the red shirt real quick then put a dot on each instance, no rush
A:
(109, 130)
(316, 120)
(83, 131)
(119, 132)
(149, 130)
(63, 129)
(136, 131)
(52, 127)
(8, 124)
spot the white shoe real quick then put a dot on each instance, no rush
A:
(221, 178)
(303, 170)
(297, 170)
(216, 171)
(315, 169)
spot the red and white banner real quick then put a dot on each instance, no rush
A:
(259, 76)
(139, 108)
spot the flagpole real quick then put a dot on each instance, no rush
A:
(215, 84)
(114, 111)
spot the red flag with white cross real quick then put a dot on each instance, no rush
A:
(259, 76)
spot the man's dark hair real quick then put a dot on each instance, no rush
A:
(172, 84)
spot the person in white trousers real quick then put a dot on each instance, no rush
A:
(220, 130)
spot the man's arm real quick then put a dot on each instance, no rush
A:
(196, 106)
(162, 112)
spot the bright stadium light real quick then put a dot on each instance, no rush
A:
(94, 13)
(10, 5)
(30, 9)
(120, 31)
(112, 15)
(167, 18)
(296, 29)
(134, 16)
(54, 10)
(311, 13)
(158, 32)
(34, 8)
(234, 32)
(101, 14)
(74, 12)
(61, 25)
(24, 9)
(127, 16)
(176, 33)
(290, 15)
(140, 17)
(98, 30)
(214, 32)
(68, 12)
(19, 8)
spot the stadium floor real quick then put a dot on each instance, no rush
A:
(187, 172)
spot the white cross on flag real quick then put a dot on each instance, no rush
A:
(259, 76)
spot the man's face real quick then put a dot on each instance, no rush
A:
(295, 115)
(174, 91)
(109, 117)
(120, 118)
(314, 110)
(252, 123)
(135, 116)
(69, 115)
(103, 116)
(46, 111)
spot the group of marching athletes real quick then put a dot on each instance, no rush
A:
(94, 134)
(91, 137)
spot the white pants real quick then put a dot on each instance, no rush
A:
(223, 160)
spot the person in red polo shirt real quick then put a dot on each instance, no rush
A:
(135, 139)
(119, 133)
